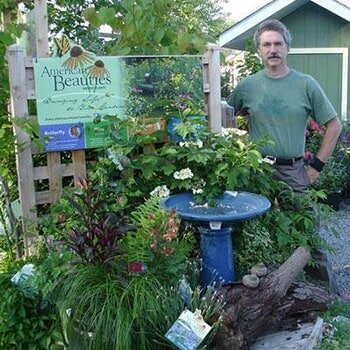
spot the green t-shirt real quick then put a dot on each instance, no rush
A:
(279, 108)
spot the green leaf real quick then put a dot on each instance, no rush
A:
(122, 51)
(147, 173)
(159, 35)
(106, 15)
(232, 180)
(168, 169)
(4, 171)
(168, 38)
(22, 312)
(39, 144)
(6, 38)
(91, 16)
(222, 167)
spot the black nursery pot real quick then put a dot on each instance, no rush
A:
(346, 192)
(333, 200)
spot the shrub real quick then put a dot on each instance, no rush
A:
(27, 322)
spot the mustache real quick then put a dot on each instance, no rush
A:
(274, 56)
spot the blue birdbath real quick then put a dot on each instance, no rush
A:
(216, 225)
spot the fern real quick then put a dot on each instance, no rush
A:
(157, 241)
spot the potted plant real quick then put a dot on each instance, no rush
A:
(332, 181)
(333, 178)
(345, 144)
(185, 118)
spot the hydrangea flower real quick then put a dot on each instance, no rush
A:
(199, 187)
(183, 174)
(197, 190)
(160, 191)
(187, 144)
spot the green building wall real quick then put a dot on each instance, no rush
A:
(312, 26)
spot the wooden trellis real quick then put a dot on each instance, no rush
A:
(22, 87)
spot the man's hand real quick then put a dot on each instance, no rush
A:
(312, 173)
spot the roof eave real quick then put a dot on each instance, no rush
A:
(235, 37)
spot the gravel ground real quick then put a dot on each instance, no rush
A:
(339, 261)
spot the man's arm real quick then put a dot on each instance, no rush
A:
(330, 138)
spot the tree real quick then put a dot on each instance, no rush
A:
(139, 26)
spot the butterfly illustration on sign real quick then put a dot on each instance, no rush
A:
(62, 45)
(77, 57)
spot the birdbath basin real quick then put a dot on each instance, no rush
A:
(216, 225)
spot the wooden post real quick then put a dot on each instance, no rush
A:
(79, 165)
(19, 109)
(42, 49)
(41, 28)
(53, 158)
(212, 86)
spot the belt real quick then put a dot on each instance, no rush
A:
(284, 161)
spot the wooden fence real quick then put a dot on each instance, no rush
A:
(52, 170)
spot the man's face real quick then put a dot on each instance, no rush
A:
(273, 50)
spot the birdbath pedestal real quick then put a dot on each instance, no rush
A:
(216, 225)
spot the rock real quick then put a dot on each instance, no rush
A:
(259, 270)
(250, 281)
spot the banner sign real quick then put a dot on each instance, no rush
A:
(76, 89)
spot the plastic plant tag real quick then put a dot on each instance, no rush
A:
(23, 274)
(188, 331)
(24, 280)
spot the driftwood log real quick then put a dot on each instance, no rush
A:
(278, 301)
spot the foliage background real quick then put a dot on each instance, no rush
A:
(141, 26)
(137, 27)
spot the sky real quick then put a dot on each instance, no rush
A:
(242, 8)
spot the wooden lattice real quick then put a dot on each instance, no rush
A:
(53, 171)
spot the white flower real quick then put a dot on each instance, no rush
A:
(224, 132)
(197, 190)
(187, 144)
(202, 183)
(160, 191)
(183, 174)
(238, 132)
(198, 143)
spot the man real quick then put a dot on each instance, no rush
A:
(279, 100)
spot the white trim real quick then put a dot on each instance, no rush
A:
(253, 20)
(345, 67)
(335, 7)
(316, 50)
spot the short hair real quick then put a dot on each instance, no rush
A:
(275, 26)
